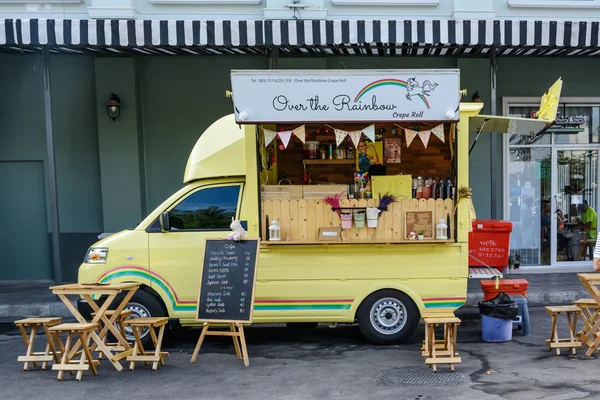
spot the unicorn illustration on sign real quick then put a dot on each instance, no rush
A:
(411, 85)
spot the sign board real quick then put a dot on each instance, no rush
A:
(227, 280)
(399, 185)
(417, 221)
(304, 96)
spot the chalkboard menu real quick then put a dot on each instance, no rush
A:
(227, 280)
(419, 221)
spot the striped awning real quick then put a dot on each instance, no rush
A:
(378, 37)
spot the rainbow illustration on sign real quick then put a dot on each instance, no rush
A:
(409, 85)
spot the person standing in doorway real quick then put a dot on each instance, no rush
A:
(588, 223)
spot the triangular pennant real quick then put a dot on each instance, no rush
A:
(369, 132)
(425, 135)
(340, 135)
(300, 133)
(410, 135)
(285, 137)
(439, 132)
(355, 137)
(269, 136)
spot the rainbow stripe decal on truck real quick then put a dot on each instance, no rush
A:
(444, 302)
(301, 305)
(158, 282)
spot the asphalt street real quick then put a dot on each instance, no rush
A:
(324, 363)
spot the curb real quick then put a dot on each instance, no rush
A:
(50, 309)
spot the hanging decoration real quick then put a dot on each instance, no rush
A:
(355, 136)
(425, 135)
(269, 136)
(439, 132)
(285, 137)
(369, 132)
(410, 135)
(300, 133)
(340, 135)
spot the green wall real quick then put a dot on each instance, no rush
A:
(181, 97)
(23, 155)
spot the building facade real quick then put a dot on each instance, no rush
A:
(68, 172)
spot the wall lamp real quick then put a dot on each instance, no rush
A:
(113, 107)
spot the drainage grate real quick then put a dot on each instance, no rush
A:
(420, 376)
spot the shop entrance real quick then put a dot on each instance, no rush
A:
(551, 182)
(573, 210)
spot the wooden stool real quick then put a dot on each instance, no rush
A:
(441, 351)
(123, 315)
(45, 356)
(139, 354)
(572, 342)
(83, 331)
(589, 314)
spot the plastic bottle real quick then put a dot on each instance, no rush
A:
(448, 189)
(419, 188)
(442, 189)
(414, 188)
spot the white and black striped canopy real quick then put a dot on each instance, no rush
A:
(439, 37)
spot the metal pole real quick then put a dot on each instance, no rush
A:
(493, 71)
(51, 168)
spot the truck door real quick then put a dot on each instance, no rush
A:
(176, 256)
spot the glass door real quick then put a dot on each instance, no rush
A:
(574, 207)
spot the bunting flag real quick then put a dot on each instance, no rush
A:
(425, 135)
(355, 137)
(269, 136)
(300, 133)
(439, 132)
(340, 135)
(369, 132)
(410, 135)
(285, 137)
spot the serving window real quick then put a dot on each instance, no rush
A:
(335, 182)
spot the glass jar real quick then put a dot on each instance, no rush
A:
(311, 150)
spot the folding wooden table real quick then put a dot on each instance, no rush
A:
(110, 290)
(589, 335)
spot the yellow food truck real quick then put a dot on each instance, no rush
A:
(361, 175)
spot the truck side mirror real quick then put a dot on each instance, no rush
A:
(165, 222)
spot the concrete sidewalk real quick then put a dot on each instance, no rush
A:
(33, 299)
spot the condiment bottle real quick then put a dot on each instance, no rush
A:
(414, 188)
(442, 189)
(434, 188)
(448, 189)
(419, 188)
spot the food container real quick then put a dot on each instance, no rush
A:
(311, 150)
(340, 154)
(323, 152)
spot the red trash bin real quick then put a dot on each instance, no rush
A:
(489, 243)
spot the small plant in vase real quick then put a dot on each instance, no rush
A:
(420, 235)
(517, 261)
(511, 262)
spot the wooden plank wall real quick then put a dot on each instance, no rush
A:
(300, 220)
(435, 160)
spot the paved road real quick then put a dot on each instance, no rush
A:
(323, 364)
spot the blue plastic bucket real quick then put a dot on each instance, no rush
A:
(496, 329)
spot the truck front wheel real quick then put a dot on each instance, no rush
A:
(388, 317)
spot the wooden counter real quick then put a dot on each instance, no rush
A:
(300, 220)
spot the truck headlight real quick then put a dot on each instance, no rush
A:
(96, 255)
